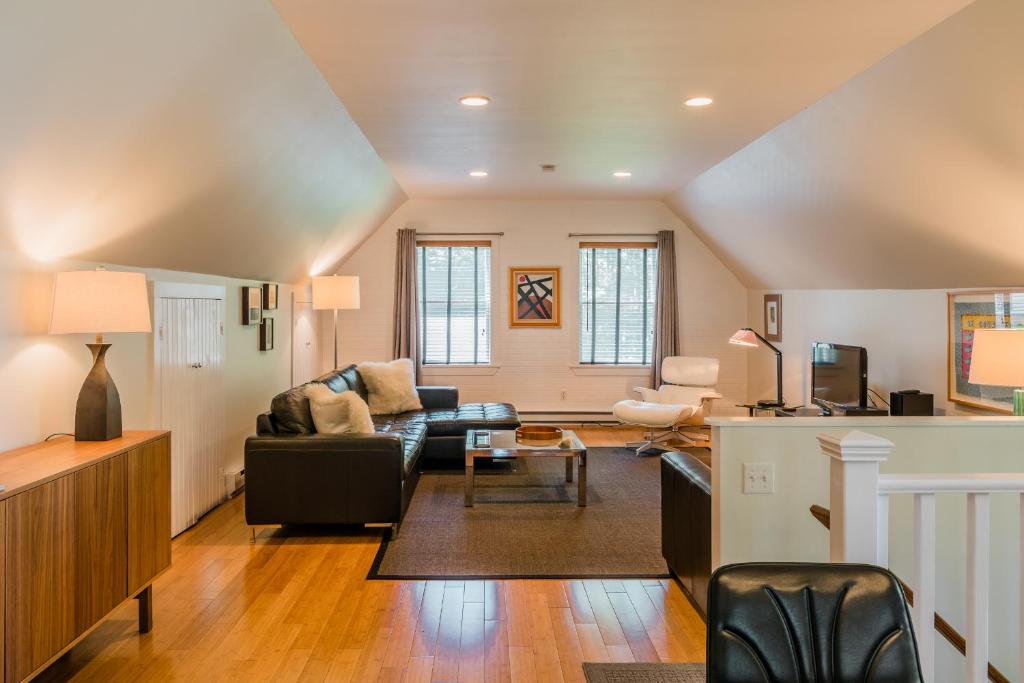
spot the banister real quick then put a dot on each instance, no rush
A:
(945, 629)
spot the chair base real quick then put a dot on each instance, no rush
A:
(664, 441)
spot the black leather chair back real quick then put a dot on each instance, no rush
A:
(827, 623)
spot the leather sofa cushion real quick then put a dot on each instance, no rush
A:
(457, 421)
(691, 467)
(411, 427)
(291, 411)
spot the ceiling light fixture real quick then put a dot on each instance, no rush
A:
(622, 174)
(475, 101)
(478, 174)
(701, 101)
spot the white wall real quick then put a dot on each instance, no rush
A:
(904, 332)
(536, 366)
(42, 374)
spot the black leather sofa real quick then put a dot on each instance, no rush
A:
(295, 476)
(686, 523)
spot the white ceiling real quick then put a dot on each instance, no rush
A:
(192, 135)
(909, 176)
(590, 85)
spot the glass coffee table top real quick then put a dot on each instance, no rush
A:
(502, 444)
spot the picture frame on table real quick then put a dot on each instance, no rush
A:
(773, 317)
(969, 311)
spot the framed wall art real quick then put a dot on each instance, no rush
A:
(773, 317)
(252, 305)
(267, 334)
(269, 296)
(535, 297)
(970, 311)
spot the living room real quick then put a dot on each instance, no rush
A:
(512, 342)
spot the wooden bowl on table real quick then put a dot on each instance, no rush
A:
(538, 435)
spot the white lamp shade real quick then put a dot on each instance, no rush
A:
(744, 337)
(99, 301)
(997, 358)
(336, 292)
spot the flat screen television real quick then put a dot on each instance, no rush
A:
(839, 375)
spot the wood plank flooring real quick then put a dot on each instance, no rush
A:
(298, 608)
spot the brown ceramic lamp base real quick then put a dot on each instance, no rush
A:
(98, 411)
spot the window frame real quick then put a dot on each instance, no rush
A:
(421, 305)
(582, 366)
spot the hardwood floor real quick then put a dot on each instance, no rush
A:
(299, 608)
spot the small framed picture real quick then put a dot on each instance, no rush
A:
(534, 297)
(267, 334)
(773, 317)
(968, 312)
(252, 305)
(269, 296)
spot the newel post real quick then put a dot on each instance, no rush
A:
(853, 492)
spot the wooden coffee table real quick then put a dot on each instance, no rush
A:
(503, 444)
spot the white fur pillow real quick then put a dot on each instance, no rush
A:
(391, 386)
(344, 413)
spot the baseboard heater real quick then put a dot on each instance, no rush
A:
(572, 416)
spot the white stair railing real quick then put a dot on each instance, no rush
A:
(859, 532)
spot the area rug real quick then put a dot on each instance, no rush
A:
(526, 524)
(645, 673)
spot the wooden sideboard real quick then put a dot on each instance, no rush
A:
(84, 526)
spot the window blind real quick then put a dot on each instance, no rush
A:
(455, 302)
(617, 295)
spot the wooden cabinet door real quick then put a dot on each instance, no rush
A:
(149, 512)
(40, 573)
(3, 582)
(101, 541)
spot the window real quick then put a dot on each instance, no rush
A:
(455, 302)
(617, 295)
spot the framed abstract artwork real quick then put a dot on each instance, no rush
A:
(970, 311)
(252, 305)
(773, 317)
(535, 297)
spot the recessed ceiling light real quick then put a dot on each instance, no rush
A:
(478, 174)
(475, 100)
(699, 101)
(622, 174)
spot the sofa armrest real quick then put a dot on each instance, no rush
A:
(446, 398)
(323, 479)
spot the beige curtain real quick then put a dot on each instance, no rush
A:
(666, 308)
(405, 335)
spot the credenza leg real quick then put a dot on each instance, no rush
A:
(145, 599)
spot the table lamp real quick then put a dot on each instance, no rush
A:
(98, 302)
(997, 359)
(336, 293)
(748, 338)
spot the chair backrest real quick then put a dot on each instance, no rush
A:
(835, 623)
(690, 371)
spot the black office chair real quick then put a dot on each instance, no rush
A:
(827, 623)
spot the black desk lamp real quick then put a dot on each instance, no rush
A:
(747, 337)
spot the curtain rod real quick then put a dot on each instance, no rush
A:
(477, 234)
(611, 234)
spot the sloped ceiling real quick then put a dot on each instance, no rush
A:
(593, 86)
(911, 175)
(192, 135)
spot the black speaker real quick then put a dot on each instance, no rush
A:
(911, 402)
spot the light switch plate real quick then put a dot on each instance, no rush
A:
(758, 477)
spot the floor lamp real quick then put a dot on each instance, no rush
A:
(747, 337)
(336, 293)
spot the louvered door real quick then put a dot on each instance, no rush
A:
(190, 363)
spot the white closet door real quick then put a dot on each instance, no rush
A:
(305, 343)
(190, 364)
